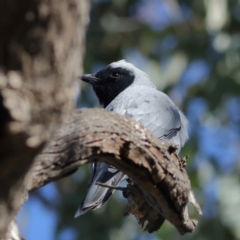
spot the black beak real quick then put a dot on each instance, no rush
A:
(89, 78)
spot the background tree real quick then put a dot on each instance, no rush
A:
(36, 92)
(190, 49)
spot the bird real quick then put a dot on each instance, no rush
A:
(125, 89)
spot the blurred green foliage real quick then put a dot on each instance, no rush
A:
(190, 49)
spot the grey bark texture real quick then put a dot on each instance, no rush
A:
(161, 188)
(41, 49)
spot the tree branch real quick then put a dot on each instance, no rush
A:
(162, 183)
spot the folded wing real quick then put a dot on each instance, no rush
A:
(97, 195)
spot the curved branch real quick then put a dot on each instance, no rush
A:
(153, 165)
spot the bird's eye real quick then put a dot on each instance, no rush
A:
(115, 75)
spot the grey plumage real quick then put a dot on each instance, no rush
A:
(97, 195)
(128, 91)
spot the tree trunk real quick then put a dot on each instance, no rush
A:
(41, 49)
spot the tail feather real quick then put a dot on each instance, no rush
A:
(97, 195)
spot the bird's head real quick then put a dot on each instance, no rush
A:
(114, 79)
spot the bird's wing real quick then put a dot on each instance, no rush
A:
(154, 109)
(97, 195)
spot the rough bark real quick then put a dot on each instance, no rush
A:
(162, 189)
(41, 48)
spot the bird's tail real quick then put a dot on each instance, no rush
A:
(97, 195)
